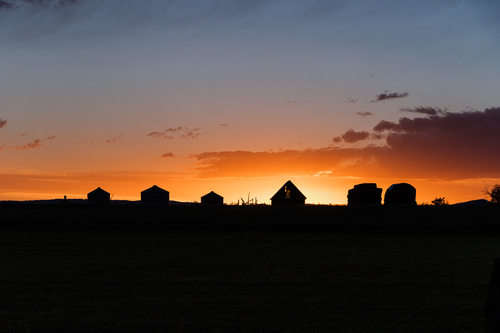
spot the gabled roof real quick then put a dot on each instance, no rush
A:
(99, 191)
(154, 189)
(212, 194)
(289, 186)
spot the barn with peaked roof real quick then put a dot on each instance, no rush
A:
(364, 194)
(155, 196)
(288, 194)
(98, 197)
(400, 194)
(212, 198)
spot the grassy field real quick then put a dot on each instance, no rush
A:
(56, 278)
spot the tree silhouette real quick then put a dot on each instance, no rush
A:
(494, 193)
(439, 202)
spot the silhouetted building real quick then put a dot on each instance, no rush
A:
(155, 196)
(98, 197)
(400, 194)
(364, 194)
(288, 194)
(212, 198)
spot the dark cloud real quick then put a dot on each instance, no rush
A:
(387, 95)
(451, 146)
(364, 114)
(3, 123)
(50, 137)
(167, 155)
(35, 144)
(7, 5)
(351, 136)
(337, 139)
(16, 4)
(181, 131)
(432, 111)
(351, 100)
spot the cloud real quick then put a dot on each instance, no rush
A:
(351, 100)
(116, 139)
(16, 4)
(167, 155)
(387, 95)
(35, 144)
(364, 114)
(450, 146)
(3, 147)
(352, 136)
(183, 132)
(52, 137)
(7, 5)
(425, 110)
(3, 123)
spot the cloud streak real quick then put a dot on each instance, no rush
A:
(432, 111)
(181, 131)
(364, 114)
(3, 123)
(31, 145)
(386, 95)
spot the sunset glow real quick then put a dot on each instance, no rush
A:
(239, 97)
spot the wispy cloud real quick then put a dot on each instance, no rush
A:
(364, 114)
(52, 137)
(424, 110)
(35, 144)
(116, 139)
(386, 95)
(181, 131)
(3, 123)
(351, 100)
(166, 155)
(16, 4)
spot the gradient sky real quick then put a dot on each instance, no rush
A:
(240, 96)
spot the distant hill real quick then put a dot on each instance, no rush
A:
(472, 203)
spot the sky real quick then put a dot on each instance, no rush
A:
(238, 97)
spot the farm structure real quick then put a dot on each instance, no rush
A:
(155, 196)
(98, 197)
(212, 198)
(400, 194)
(364, 194)
(288, 194)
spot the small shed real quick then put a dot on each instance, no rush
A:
(98, 197)
(288, 194)
(155, 196)
(364, 194)
(400, 194)
(212, 198)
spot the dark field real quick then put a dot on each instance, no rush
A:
(250, 269)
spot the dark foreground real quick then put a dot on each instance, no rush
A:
(64, 271)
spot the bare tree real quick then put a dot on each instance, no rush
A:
(494, 193)
(440, 202)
